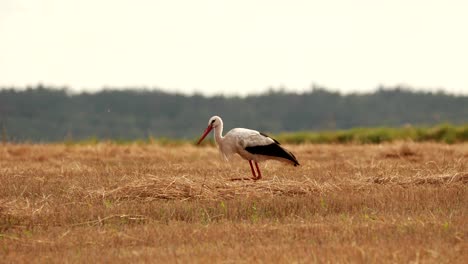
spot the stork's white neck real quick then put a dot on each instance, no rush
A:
(218, 133)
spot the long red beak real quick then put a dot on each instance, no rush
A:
(207, 131)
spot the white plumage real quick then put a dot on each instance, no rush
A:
(249, 144)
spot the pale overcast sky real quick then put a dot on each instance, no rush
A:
(242, 47)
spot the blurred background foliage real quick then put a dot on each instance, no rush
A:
(44, 114)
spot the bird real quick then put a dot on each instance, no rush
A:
(251, 145)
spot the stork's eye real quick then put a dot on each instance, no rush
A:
(212, 121)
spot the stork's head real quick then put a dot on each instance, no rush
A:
(214, 122)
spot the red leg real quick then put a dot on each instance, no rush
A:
(253, 171)
(258, 170)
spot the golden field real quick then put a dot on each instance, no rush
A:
(146, 203)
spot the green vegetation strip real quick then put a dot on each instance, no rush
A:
(442, 133)
(445, 133)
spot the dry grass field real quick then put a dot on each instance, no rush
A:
(107, 203)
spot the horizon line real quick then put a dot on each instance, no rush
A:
(197, 92)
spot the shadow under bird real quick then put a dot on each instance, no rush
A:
(250, 144)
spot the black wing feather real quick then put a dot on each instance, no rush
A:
(273, 150)
(265, 135)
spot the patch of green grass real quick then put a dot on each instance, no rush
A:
(445, 133)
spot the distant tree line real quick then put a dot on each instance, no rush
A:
(50, 114)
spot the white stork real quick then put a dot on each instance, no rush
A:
(249, 144)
